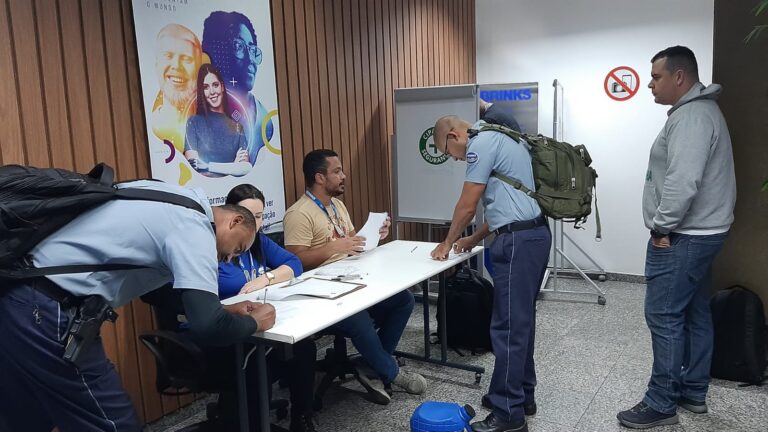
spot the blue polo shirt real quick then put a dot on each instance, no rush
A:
(232, 276)
(173, 242)
(494, 151)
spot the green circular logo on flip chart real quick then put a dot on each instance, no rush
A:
(428, 150)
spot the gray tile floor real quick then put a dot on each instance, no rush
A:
(592, 361)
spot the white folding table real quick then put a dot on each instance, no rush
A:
(386, 270)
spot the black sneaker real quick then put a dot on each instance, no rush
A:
(642, 416)
(493, 424)
(693, 406)
(529, 408)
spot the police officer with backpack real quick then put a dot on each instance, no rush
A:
(519, 255)
(54, 369)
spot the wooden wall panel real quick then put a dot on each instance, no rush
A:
(340, 61)
(72, 79)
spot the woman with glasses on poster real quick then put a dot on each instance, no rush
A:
(230, 41)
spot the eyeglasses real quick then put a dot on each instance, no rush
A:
(447, 136)
(241, 48)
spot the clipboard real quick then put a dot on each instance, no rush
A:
(329, 289)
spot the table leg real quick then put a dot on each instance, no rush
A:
(242, 395)
(425, 303)
(444, 316)
(263, 383)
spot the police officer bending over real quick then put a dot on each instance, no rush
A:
(519, 255)
(39, 389)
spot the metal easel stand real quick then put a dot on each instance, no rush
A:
(559, 271)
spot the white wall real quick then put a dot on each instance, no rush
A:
(578, 43)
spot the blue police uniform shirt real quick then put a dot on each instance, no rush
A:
(494, 151)
(232, 276)
(176, 244)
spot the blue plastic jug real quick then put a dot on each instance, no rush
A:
(441, 417)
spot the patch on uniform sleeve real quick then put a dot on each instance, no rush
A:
(472, 157)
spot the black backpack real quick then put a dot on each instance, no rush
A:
(36, 202)
(740, 336)
(468, 305)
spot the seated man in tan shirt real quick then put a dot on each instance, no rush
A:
(319, 231)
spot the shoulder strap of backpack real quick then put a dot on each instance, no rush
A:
(515, 135)
(158, 196)
(36, 272)
(514, 183)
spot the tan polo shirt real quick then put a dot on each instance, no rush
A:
(306, 224)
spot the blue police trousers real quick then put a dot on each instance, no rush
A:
(519, 262)
(38, 389)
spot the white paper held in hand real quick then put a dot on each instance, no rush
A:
(371, 229)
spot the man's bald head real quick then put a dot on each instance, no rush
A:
(451, 127)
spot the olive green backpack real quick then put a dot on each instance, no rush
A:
(564, 180)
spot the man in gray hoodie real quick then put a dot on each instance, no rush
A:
(688, 200)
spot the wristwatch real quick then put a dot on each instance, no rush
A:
(270, 277)
(657, 235)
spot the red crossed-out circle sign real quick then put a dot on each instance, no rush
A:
(621, 83)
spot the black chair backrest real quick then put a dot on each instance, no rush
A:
(180, 362)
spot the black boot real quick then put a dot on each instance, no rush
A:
(494, 424)
(303, 423)
(529, 408)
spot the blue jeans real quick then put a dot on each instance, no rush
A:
(390, 317)
(678, 315)
(519, 262)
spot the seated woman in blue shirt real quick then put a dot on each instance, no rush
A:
(266, 263)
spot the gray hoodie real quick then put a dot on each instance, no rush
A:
(690, 185)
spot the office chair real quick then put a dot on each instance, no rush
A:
(182, 365)
(335, 364)
(338, 364)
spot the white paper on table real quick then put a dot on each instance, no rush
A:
(371, 229)
(283, 309)
(336, 270)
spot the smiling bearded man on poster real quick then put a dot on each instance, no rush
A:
(177, 59)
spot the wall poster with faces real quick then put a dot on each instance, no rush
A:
(210, 97)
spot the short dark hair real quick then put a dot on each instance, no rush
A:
(679, 58)
(315, 162)
(248, 220)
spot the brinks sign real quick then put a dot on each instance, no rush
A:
(522, 94)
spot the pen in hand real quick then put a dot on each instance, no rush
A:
(265, 296)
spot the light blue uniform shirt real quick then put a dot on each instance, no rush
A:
(176, 243)
(494, 151)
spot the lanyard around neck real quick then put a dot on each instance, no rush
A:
(338, 229)
(253, 273)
